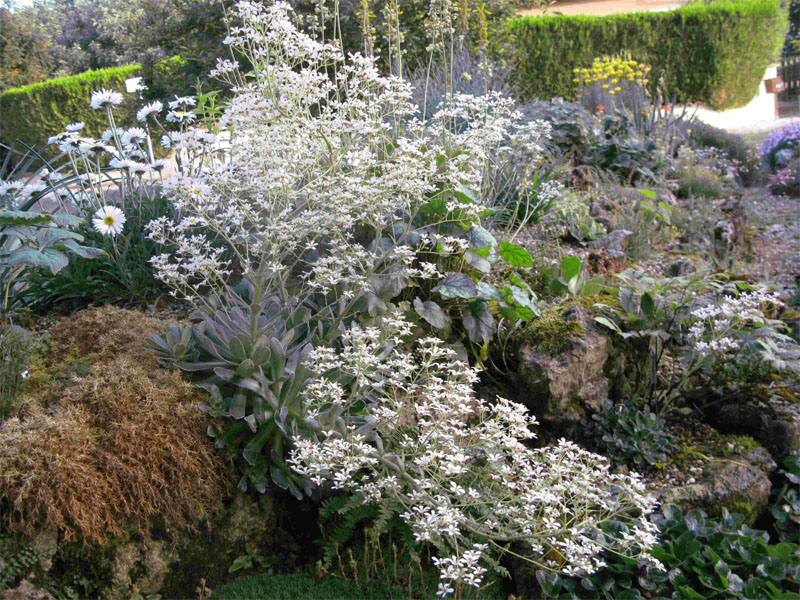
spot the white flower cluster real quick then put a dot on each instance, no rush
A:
(459, 466)
(719, 326)
(322, 149)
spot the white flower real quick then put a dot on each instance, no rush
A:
(134, 135)
(105, 99)
(25, 374)
(10, 187)
(181, 116)
(109, 220)
(149, 110)
(158, 165)
(75, 127)
(183, 101)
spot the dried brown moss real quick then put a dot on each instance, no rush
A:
(120, 445)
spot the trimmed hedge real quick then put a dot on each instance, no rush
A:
(35, 112)
(715, 53)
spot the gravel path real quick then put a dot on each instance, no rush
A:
(775, 235)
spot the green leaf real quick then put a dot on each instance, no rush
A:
(473, 259)
(515, 255)
(608, 323)
(31, 257)
(82, 251)
(432, 313)
(241, 562)
(647, 304)
(480, 238)
(687, 545)
(478, 322)
(570, 268)
(648, 194)
(457, 285)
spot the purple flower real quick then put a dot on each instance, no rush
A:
(785, 137)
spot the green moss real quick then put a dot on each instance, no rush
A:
(743, 508)
(550, 332)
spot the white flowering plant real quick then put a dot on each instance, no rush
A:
(401, 425)
(103, 183)
(348, 224)
(336, 201)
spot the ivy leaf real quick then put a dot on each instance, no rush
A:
(515, 255)
(432, 313)
(457, 285)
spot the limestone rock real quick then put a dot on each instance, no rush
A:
(560, 386)
(775, 425)
(739, 483)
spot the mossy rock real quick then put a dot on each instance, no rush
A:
(736, 477)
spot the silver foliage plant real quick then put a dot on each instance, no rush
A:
(327, 175)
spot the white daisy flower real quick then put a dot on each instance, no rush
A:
(10, 187)
(134, 135)
(109, 220)
(122, 164)
(149, 110)
(181, 116)
(182, 101)
(57, 139)
(206, 138)
(158, 165)
(107, 135)
(75, 127)
(96, 147)
(139, 169)
(33, 189)
(105, 99)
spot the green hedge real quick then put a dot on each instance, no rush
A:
(715, 53)
(35, 112)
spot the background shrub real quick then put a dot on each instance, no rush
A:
(36, 112)
(714, 53)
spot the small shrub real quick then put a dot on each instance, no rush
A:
(744, 157)
(700, 182)
(786, 182)
(630, 435)
(571, 124)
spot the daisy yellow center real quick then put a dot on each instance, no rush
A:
(109, 220)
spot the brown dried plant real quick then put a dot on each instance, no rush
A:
(118, 446)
